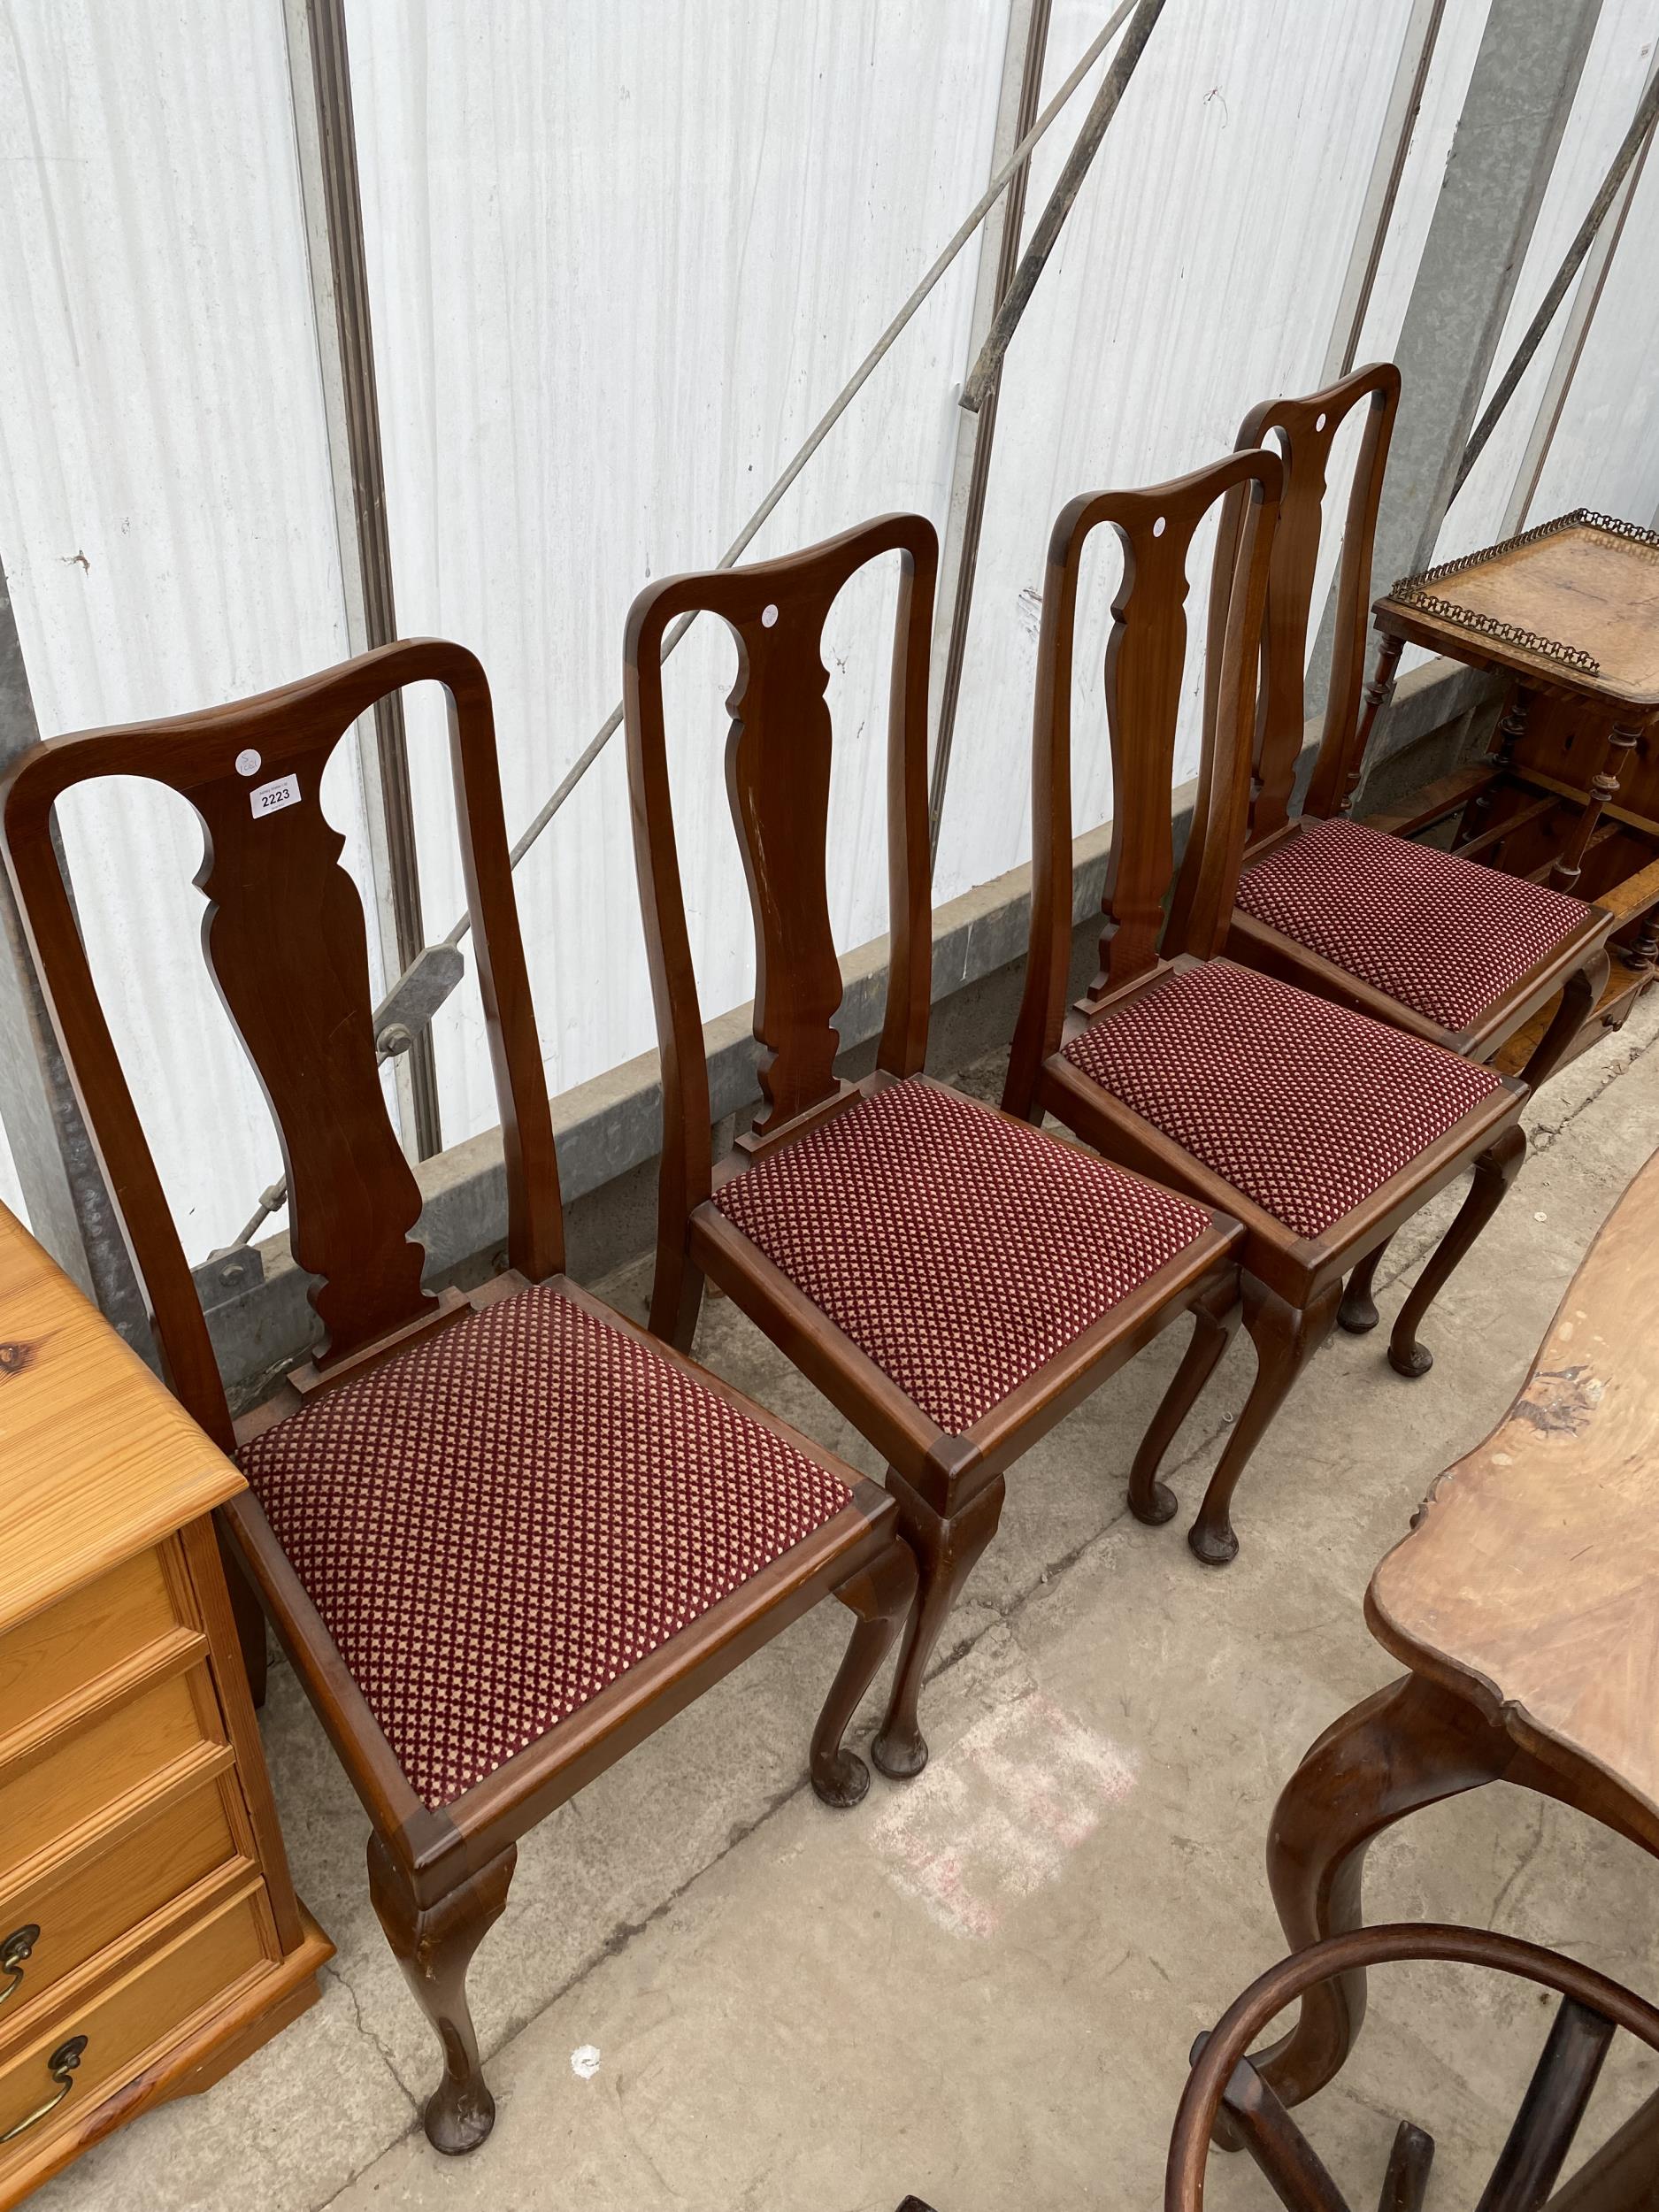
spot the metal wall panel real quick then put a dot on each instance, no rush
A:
(621, 258)
(1608, 92)
(1605, 452)
(1457, 44)
(1199, 271)
(165, 504)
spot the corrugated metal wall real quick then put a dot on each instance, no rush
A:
(166, 516)
(620, 257)
(1199, 271)
(1613, 75)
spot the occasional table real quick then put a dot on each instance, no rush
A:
(1526, 1604)
(1568, 613)
(149, 1935)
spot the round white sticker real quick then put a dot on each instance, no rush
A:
(247, 762)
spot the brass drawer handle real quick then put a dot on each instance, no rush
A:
(18, 1947)
(61, 2066)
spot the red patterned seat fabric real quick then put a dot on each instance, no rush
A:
(500, 1522)
(1444, 935)
(1303, 1106)
(958, 1250)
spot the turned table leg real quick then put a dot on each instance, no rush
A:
(1511, 730)
(1377, 694)
(1617, 746)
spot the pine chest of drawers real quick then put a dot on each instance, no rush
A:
(149, 1935)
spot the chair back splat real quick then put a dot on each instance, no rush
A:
(284, 938)
(1306, 429)
(1146, 659)
(777, 776)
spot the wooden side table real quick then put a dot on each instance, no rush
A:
(1568, 613)
(1526, 1604)
(149, 1935)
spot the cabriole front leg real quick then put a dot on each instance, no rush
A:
(946, 1550)
(1496, 1169)
(881, 1597)
(1286, 1339)
(434, 1943)
(1357, 1313)
(1580, 997)
(1215, 1319)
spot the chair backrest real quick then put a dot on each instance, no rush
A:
(1145, 668)
(1593, 2009)
(777, 779)
(284, 940)
(1305, 430)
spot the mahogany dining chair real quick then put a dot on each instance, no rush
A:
(1438, 943)
(1319, 1128)
(503, 1536)
(953, 1281)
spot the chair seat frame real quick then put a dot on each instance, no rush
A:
(1306, 429)
(284, 937)
(1291, 1286)
(949, 1488)
(1576, 969)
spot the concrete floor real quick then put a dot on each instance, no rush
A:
(710, 1992)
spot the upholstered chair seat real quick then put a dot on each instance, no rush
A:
(959, 1250)
(1305, 1108)
(501, 1522)
(1439, 934)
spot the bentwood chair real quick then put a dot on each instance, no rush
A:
(1318, 1128)
(1434, 942)
(503, 1536)
(953, 1281)
(1225, 2096)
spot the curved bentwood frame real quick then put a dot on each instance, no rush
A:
(1291, 1285)
(284, 939)
(949, 1488)
(1226, 2096)
(1305, 430)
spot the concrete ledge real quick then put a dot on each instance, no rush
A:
(609, 1129)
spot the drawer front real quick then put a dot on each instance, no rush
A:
(103, 1899)
(83, 1636)
(43, 1800)
(123, 2026)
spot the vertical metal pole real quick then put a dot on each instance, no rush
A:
(327, 147)
(1411, 76)
(64, 1192)
(1520, 95)
(1585, 300)
(999, 257)
(1525, 75)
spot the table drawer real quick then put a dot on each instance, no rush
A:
(49, 1794)
(100, 1898)
(84, 1635)
(125, 2026)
